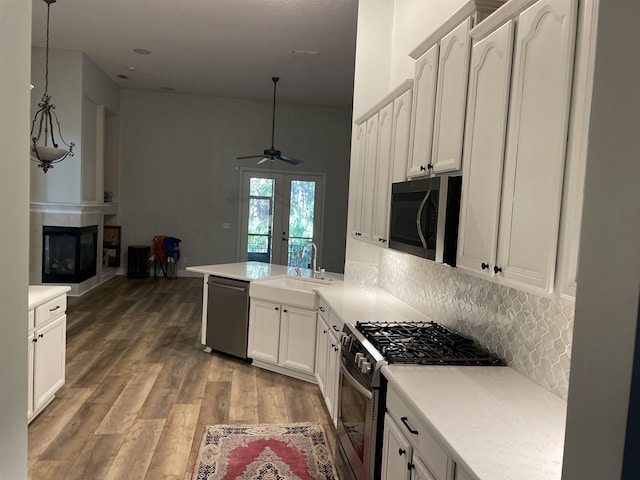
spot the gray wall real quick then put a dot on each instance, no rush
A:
(15, 54)
(179, 175)
(606, 313)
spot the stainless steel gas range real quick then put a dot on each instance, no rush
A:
(366, 348)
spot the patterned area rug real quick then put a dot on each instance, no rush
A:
(264, 452)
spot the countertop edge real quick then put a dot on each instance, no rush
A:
(39, 294)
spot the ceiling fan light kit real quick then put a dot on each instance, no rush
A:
(272, 153)
(43, 153)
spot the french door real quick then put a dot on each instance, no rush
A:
(280, 212)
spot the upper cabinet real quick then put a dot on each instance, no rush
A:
(440, 92)
(510, 212)
(381, 142)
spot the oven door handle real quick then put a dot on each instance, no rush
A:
(354, 383)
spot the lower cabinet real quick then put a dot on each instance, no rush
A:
(46, 349)
(282, 338)
(328, 361)
(409, 451)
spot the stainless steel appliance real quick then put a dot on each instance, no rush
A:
(366, 348)
(424, 217)
(228, 316)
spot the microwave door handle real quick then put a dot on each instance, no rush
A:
(419, 218)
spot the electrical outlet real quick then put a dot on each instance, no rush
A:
(226, 226)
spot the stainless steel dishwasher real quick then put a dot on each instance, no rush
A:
(228, 316)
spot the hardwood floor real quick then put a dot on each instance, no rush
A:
(140, 389)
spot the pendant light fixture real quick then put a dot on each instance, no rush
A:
(45, 150)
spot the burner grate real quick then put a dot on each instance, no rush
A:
(426, 343)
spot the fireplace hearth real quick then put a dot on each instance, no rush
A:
(69, 254)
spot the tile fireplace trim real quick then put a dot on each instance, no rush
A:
(75, 208)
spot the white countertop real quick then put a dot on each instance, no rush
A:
(358, 303)
(249, 271)
(38, 294)
(494, 421)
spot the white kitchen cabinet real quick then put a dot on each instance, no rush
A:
(46, 346)
(381, 148)
(282, 339)
(397, 452)
(448, 124)
(423, 111)
(382, 189)
(328, 359)
(486, 128)
(426, 459)
(462, 474)
(401, 134)
(521, 252)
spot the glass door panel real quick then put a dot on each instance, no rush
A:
(260, 219)
(301, 222)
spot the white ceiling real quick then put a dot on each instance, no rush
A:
(213, 47)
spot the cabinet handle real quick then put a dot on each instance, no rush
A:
(34, 340)
(411, 466)
(422, 169)
(429, 166)
(335, 328)
(285, 310)
(41, 335)
(401, 451)
(324, 331)
(55, 308)
(497, 269)
(333, 345)
(484, 265)
(276, 308)
(321, 309)
(409, 427)
(335, 349)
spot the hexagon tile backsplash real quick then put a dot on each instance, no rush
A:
(533, 334)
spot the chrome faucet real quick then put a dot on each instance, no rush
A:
(314, 248)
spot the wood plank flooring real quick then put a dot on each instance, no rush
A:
(140, 388)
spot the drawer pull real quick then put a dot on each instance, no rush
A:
(401, 451)
(409, 427)
(55, 308)
(335, 328)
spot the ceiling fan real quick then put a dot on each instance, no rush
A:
(272, 153)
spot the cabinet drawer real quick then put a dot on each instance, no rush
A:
(426, 446)
(50, 310)
(31, 319)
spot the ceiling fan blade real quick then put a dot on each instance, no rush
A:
(292, 161)
(250, 156)
(265, 159)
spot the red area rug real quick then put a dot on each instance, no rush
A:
(264, 452)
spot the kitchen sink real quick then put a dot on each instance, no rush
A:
(292, 291)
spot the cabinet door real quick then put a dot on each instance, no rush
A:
(30, 353)
(420, 470)
(424, 105)
(333, 377)
(357, 179)
(485, 134)
(396, 452)
(49, 361)
(322, 343)
(401, 133)
(536, 143)
(453, 71)
(368, 187)
(264, 331)
(297, 339)
(381, 200)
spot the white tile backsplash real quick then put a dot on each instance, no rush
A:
(531, 333)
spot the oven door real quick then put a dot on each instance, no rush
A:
(356, 421)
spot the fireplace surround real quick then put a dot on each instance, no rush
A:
(69, 253)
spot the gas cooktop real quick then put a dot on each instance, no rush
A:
(424, 343)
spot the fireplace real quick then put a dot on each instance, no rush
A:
(69, 254)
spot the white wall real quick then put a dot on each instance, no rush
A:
(63, 182)
(179, 175)
(15, 52)
(609, 265)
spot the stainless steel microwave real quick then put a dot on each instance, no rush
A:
(424, 217)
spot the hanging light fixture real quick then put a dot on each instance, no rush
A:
(45, 150)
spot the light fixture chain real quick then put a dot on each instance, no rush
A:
(46, 55)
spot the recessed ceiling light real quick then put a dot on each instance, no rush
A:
(168, 89)
(131, 68)
(123, 76)
(142, 51)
